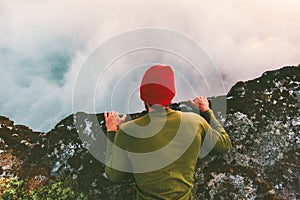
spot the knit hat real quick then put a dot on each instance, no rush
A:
(157, 86)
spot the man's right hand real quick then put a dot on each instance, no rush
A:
(113, 121)
(201, 103)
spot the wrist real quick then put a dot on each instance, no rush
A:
(113, 129)
(205, 109)
(111, 135)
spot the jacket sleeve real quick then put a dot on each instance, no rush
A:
(214, 139)
(116, 158)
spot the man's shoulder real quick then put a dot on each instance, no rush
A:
(193, 118)
(132, 123)
(191, 115)
(126, 125)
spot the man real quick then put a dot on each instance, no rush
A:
(161, 148)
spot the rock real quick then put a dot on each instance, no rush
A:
(262, 118)
(23, 128)
(6, 122)
(19, 147)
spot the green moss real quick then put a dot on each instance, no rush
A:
(62, 189)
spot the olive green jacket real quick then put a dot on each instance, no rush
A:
(161, 149)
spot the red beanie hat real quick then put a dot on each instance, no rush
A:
(157, 85)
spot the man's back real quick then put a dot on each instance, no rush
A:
(170, 142)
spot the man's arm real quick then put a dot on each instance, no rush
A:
(215, 134)
(116, 158)
(215, 137)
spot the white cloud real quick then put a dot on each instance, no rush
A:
(37, 37)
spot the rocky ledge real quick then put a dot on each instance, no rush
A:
(261, 116)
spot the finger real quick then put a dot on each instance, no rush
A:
(124, 117)
(105, 116)
(111, 116)
(115, 116)
(203, 98)
(197, 100)
(194, 103)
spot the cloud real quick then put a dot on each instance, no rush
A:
(43, 44)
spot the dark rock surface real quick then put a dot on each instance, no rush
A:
(262, 119)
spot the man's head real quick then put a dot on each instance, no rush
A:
(157, 86)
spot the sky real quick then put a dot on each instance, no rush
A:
(44, 45)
